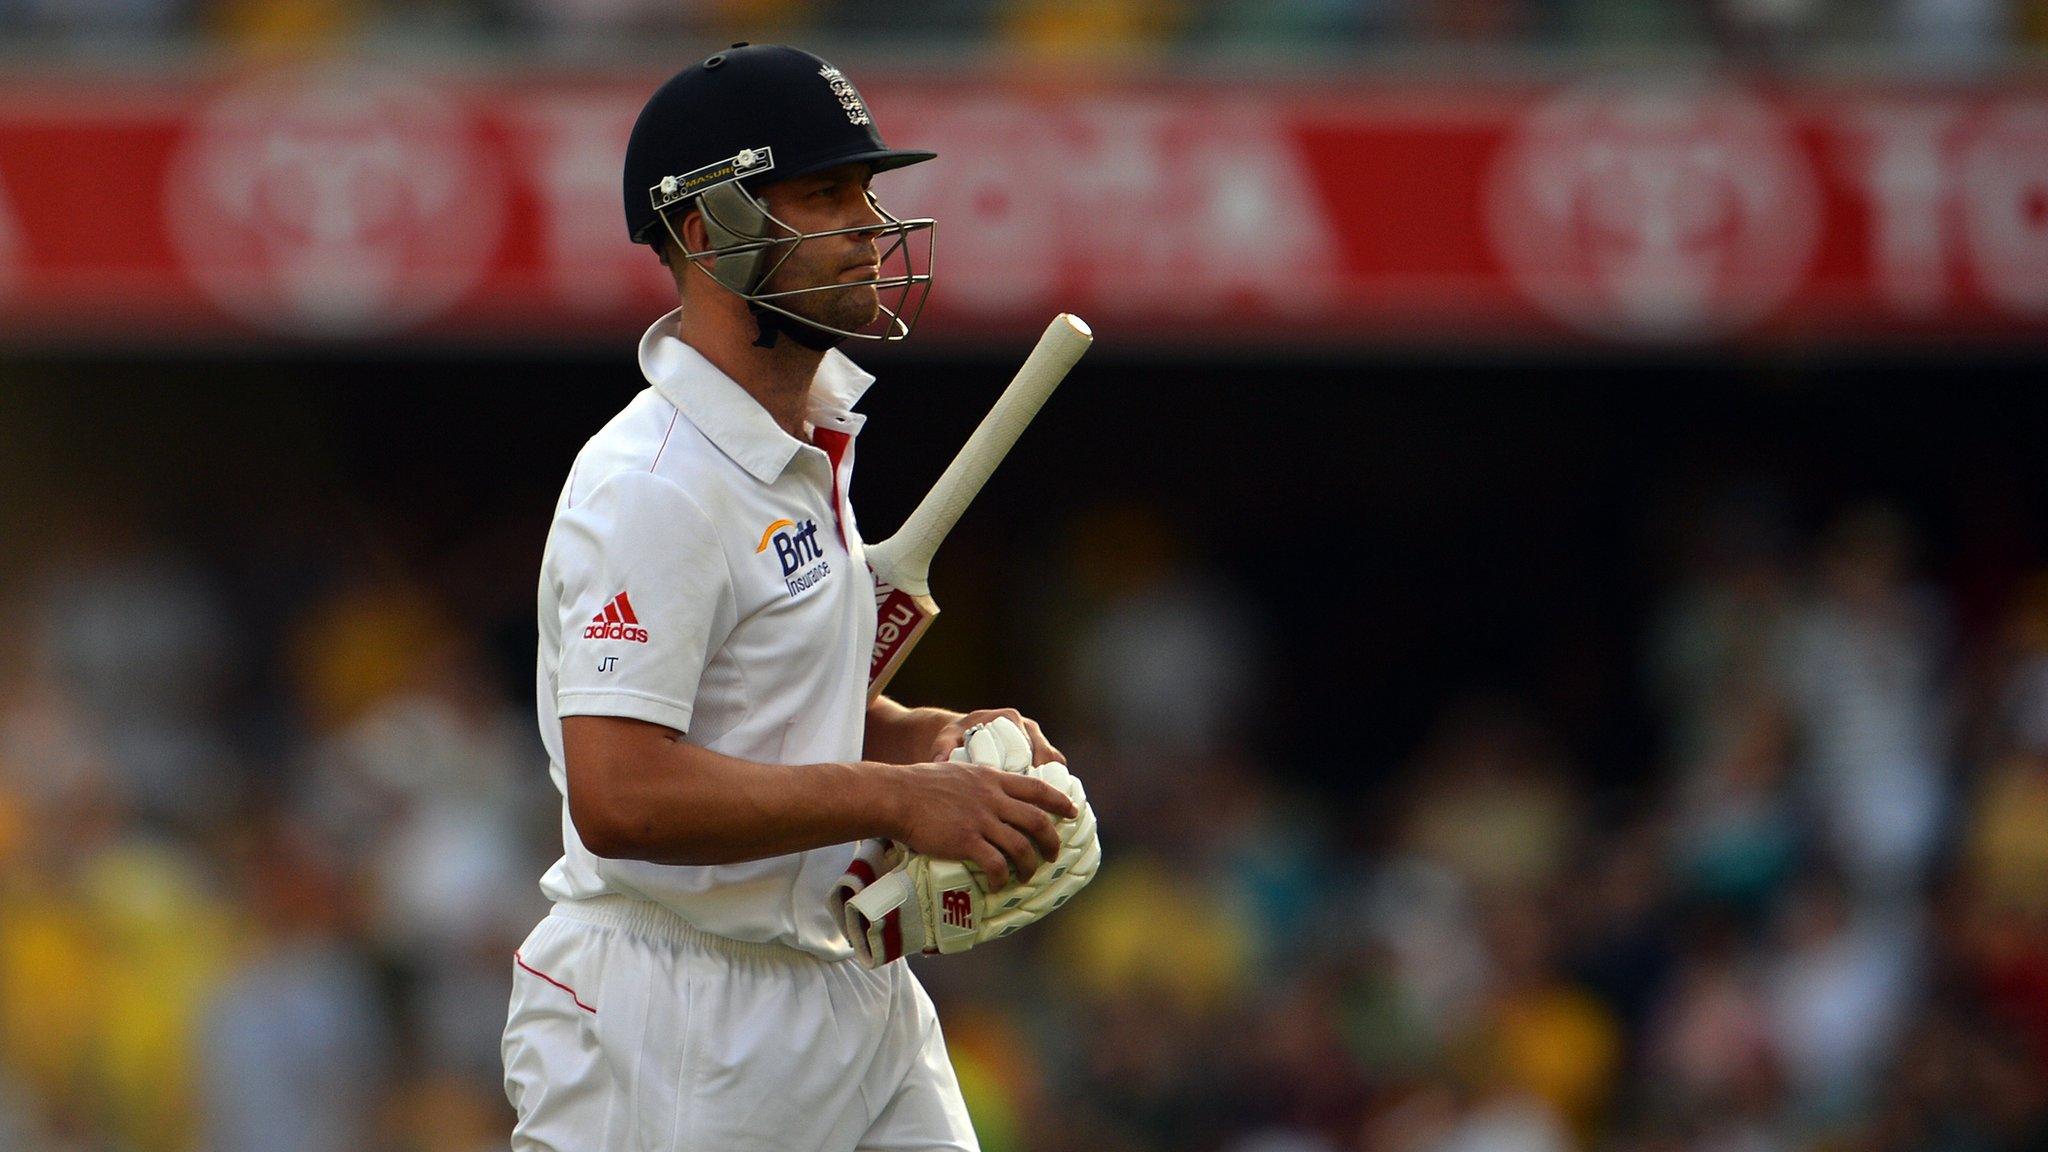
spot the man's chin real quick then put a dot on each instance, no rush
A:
(856, 310)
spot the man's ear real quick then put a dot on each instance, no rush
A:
(696, 236)
(689, 226)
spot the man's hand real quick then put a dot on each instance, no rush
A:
(894, 902)
(949, 737)
(1000, 822)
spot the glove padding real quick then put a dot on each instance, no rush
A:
(893, 902)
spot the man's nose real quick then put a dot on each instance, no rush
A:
(869, 218)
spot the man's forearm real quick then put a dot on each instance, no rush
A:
(668, 801)
(900, 735)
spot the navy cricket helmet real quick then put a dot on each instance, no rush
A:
(749, 116)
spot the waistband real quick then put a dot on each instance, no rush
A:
(646, 918)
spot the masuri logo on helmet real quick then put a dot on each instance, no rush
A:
(748, 162)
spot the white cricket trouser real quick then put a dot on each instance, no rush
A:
(632, 1031)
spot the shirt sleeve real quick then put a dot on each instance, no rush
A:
(641, 587)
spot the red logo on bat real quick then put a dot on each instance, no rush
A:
(959, 908)
(895, 614)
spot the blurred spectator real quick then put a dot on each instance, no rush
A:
(1490, 21)
(356, 647)
(296, 1047)
(704, 24)
(111, 940)
(1424, 919)
(144, 644)
(596, 18)
(2020, 695)
(1109, 947)
(1839, 983)
(2006, 838)
(954, 23)
(288, 24)
(1490, 802)
(432, 787)
(97, 21)
(1662, 24)
(1302, 1080)
(440, 790)
(2033, 23)
(1438, 1119)
(1710, 1048)
(435, 1111)
(1715, 641)
(1770, 31)
(1167, 657)
(1864, 661)
(1545, 1037)
(1065, 30)
(1735, 829)
(1618, 938)
(992, 1055)
(1953, 33)
(1295, 23)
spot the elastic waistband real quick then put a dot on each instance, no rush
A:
(646, 918)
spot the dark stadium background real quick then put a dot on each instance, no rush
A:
(1415, 526)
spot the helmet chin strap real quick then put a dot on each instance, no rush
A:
(774, 324)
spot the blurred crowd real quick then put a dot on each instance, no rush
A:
(1817, 919)
(263, 848)
(1908, 31)
(270, 830)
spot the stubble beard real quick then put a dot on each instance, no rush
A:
(848, 308)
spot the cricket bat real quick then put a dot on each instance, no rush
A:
(902, 564)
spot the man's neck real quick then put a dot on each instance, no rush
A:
(778, 378)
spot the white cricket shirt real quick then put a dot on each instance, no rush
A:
(704, 572)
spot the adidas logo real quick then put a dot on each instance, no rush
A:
(616, 622)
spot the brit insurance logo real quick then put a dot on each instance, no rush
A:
(796, 548)
(1654, 211)
(339, 203)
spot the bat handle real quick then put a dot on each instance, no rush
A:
(909, 552)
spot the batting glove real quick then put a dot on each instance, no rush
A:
(893, 902)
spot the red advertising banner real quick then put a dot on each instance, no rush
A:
(350, 205)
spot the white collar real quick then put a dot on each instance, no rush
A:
(728, 413)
